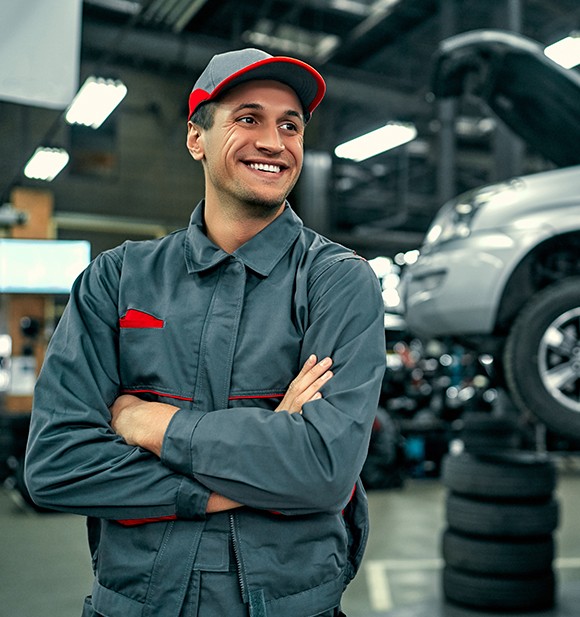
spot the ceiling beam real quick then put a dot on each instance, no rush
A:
(193, 52)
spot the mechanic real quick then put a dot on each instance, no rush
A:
(187, 404)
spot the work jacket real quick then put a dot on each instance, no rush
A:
(221, 336)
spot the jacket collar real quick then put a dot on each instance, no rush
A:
(261, 253)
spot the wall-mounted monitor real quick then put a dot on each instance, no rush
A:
(41, 266)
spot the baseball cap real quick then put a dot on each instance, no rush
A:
(232, 68)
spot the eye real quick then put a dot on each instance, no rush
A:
(289, 126)
(246, 120)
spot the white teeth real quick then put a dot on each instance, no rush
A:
(264, 167)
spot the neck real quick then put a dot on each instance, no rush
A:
(230, 229)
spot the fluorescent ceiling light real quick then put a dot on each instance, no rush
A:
(95, 101)
(130, 7)
(351, 6)
(385, 138)
(290, 39)
(565, 52)
(46, 163)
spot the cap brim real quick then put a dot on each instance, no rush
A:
(308, 84)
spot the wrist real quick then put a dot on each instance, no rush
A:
(154, 426)
(144, 424)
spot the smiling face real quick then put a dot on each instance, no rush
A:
(253, 152)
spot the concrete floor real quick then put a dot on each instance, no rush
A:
(45, 569)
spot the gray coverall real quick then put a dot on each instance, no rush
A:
(221, 336)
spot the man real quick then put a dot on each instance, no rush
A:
(186, 405)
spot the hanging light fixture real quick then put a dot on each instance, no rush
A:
(565, 52)
(46, 163)
(387, 137)
(95, 101)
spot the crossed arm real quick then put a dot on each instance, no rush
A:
(142, 423)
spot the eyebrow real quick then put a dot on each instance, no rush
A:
(289, 112)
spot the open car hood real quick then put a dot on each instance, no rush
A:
(533, 95)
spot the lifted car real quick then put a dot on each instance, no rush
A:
(499, 269)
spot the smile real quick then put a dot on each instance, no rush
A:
(264, 167)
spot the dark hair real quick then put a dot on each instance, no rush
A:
(203, 116)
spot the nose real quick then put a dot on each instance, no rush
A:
(269, 139)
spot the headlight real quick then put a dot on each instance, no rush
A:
(455, 219)
(454, 222)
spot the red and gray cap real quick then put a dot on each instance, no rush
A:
(232, 68)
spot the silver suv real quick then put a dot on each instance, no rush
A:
(499, 269)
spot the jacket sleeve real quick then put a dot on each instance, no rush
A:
(300, 463)
(74, 461)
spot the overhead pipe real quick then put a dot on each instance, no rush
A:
(193, 52)
(447, 111)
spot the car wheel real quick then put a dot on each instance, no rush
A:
(542, 357)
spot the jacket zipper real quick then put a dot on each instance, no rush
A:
(237, 557)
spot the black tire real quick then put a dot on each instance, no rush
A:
(502, 520)
(486, 422)
(482, 441)
(534, 363)
(490, 556)
(383, 466)
(499, 593)
(500, 474)
(482, 432)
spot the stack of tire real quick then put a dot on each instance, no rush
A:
(498, 547)
(481, 432)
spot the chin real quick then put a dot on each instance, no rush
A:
(262, 208)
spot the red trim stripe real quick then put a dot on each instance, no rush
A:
(351, 496)
(133, 522)
(143, 391)
(241, 397)
(190, 399)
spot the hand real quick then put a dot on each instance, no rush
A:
(129, 415)
(306, 386)
(141, 423)
(219, 503)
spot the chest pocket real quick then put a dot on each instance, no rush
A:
(269, 342)
(153, 356)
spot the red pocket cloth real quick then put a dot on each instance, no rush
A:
(138, 319)
(133, 522)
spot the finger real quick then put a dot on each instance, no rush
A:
(306, 379)
(312, 392)
(303, 387)
(307, 366)
(301, 380)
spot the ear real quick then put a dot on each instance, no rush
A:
(195, 141)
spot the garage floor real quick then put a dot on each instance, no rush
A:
(45, 570)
